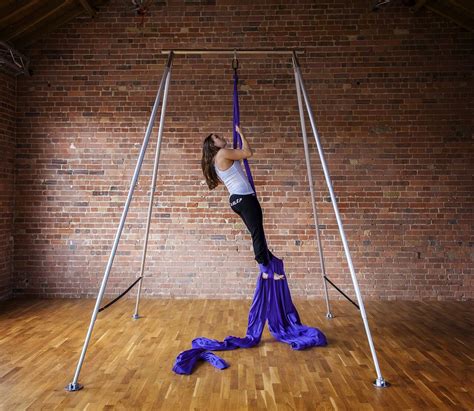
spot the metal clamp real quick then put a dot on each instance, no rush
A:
(235, 61)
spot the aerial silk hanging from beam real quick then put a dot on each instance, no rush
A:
(271, 302)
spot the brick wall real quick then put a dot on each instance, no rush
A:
(392, 94)
(7, 147)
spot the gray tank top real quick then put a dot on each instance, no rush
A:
(235, 179)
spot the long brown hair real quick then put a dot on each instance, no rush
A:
(209, 151)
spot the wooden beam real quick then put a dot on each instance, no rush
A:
(87, 7)
(419, 4)
(9, 6)
(15, 10)
(453, 13)
(51, 25)
(45, 13)
(466, 6)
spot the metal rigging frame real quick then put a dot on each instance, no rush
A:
(162, 97)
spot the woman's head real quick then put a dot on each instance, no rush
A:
(220, 142)
(210, 146)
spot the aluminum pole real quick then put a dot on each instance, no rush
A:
(152, 191)
(379, 382)
(74, 385)
(311, 189)
(233, 51)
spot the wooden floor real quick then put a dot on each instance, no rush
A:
(425, 352)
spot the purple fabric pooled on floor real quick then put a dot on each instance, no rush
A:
(271, 302)
(187, 360)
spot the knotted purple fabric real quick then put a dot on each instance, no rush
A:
(271, 302)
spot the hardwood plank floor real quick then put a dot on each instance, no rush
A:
(425, 351)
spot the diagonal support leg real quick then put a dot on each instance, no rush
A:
(379, 382)
(311, 189)
(152, 191)
(74, 385)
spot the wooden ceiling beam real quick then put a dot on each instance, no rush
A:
(466, 5)
(88, 8)
(45, 13)
(419, 4)
(47, 27)
(9, 6)
(458, 15)
(459, 11)
(13, 11)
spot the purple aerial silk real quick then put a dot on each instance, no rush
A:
(271, 302)
(237, 142)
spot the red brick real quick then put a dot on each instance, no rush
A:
(392, 96)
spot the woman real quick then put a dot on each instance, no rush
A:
(222, 164)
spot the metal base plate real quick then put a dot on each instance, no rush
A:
(381, 383)
(136, 316)
(329, 315)
(73, 386)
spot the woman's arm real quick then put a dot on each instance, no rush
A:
(245, 143)
(237, 154)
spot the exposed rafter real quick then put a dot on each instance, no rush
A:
(45, 13)
(459, 11)
(23, 22)
(87, 7)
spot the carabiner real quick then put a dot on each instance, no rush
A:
(235, 62)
